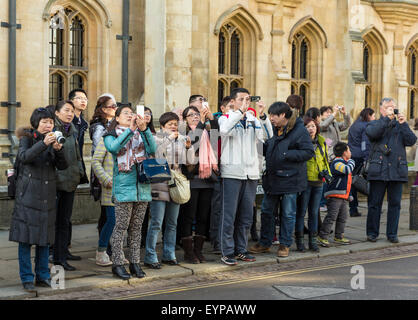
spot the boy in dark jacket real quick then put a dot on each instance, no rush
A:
(337, 195)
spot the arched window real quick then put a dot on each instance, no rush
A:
(413, 80)
(230, 73)
(366, 74)
(300, 68)
(56, 88)
(67, 54)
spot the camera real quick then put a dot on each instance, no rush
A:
(396, 111)
(325, 176)
(255, 98)
(60, 138)
(340, 107)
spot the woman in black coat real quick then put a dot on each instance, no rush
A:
(33, 219)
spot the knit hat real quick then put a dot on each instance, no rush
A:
(253, 110)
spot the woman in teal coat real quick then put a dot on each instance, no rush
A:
(130, 142)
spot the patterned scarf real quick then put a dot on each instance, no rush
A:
(133, 152)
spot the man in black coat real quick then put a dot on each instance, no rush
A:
(286, 175)
(387, 168)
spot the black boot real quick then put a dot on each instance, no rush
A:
(136, 271)
(198, 246)
(299, 242)
(121, 272)
(313, 246)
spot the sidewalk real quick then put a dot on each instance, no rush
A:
(88, 275)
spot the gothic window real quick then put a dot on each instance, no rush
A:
(366, 74)
(413, 79)
(300, 68)
(67, 54)
(230, 48)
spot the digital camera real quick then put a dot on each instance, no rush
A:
(60, 138)
(325, 176)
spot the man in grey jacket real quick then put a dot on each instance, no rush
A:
(331, 128)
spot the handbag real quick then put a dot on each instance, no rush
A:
(154, 171)
(360, 182)
(95, 187)
(179, 188)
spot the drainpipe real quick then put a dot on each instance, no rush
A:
(11, 104)
(125, 37)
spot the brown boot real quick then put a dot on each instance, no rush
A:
(258, 248)
(189, 255)
(198, 246)
(283, 251)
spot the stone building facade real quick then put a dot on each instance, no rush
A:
(351, 52)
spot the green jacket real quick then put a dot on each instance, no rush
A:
(69, 179)
(319, 162)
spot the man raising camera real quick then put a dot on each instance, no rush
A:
(387, 168)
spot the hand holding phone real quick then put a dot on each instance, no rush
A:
(140, 110)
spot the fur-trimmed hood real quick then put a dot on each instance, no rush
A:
(24, 132)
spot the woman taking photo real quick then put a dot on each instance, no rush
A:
(130, 142)
(317, 168)
(201, 187)
(103, 115)
(67, 181)
(359, 146)
(177, 150)
(33, 217)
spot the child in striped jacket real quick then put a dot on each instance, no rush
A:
(338, 195)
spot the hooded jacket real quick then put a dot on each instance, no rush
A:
(33, 219)
(286, 157)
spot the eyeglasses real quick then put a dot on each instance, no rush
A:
(127, 113)
(201, 99)
(81, 99)
(193, 115)
(148, 114)
(113, 106)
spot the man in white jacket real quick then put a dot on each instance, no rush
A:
(239, 131)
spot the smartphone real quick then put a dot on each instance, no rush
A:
(396, 111)
(255, 98)
(205, 104)
(140, 110)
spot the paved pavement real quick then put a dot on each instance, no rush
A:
(88, 275)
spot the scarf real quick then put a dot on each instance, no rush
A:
(207, 159)
(133, 152)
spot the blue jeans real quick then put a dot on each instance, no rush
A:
(107, 229)
(41, 263)
(287, 222)
(311, 199)
(158, 211)
(375, 201)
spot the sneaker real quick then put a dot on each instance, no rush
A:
(258, 248)
(275, 241)
(342, 240)
(229, 260)
(323, 242)
(393, 240)
(283, 251)
(102, 259)
(355, 214)
(322, 209)
(371, 239)
(245, 257)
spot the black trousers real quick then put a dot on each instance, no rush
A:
(197, 209)
(65, 201)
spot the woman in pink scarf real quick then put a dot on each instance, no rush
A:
(201, 184)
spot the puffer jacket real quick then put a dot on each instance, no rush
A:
(69, 179)
(126, 187)
(319, 162)
(102, 165)
(33, 219)
(286, 157)
(392, 165)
